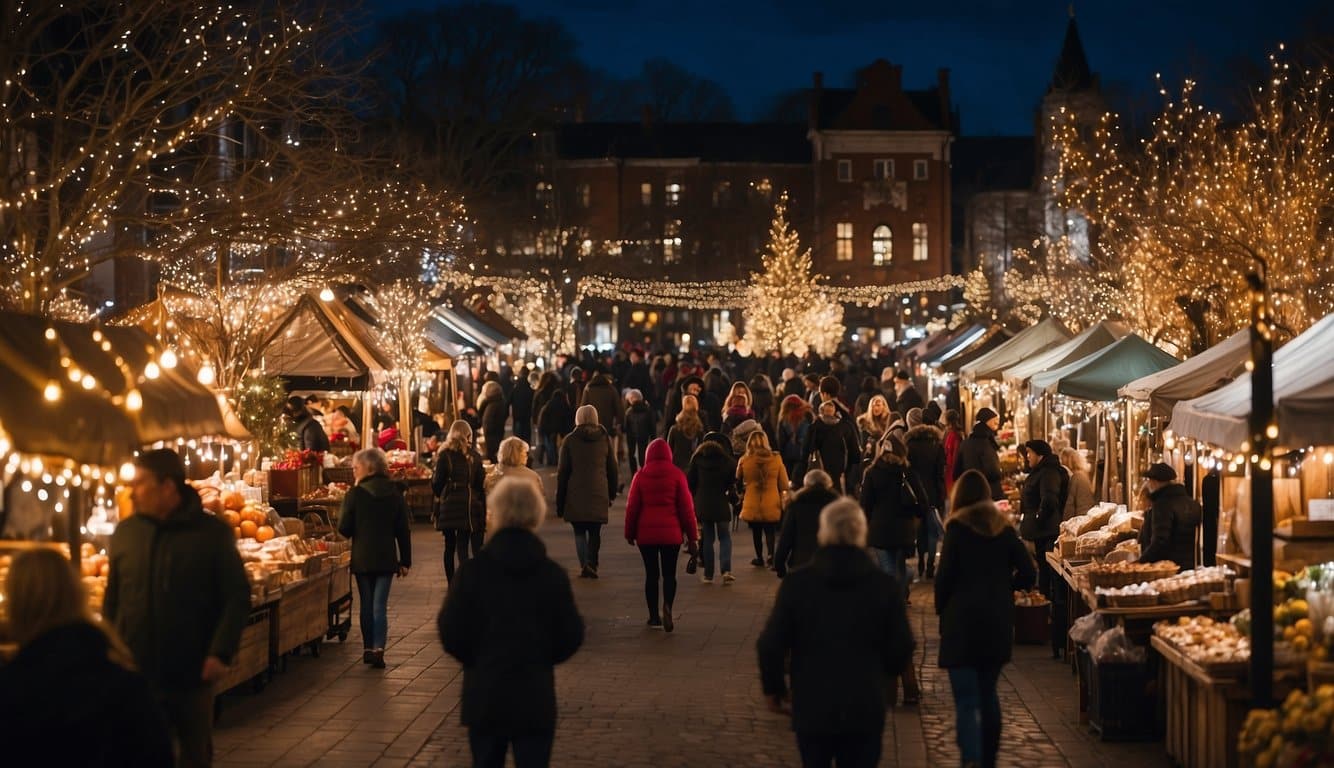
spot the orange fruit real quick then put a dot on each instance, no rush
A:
(264, 533)
(249, 529)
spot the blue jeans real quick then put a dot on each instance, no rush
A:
(893, 562)
(373, 590)
(723, 533)
(977, 713)
(587, 543)
(550, 456)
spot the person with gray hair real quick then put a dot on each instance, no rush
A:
(641, 426)
(375, 517)
(513, 455)
(797, 540)
(842, 623)
(586, 484)
(509, 618)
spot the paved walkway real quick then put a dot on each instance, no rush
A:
(632, 696)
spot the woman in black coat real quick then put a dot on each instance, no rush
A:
(981, 452)
(982, 562)
(801, 522)
(70, 696)
(711, 476)
(509, 619)
(459, 483)
(554, 422)
(375, 517)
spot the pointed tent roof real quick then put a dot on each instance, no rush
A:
(1197, 376)
(967, 339)
(994, 340)
(1072, 71)
(1091, 340)
(1098, 376)
(319, 344)
(1031, 341)
(1303, 398)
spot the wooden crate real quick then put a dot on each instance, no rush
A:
(302, 615)
(293, 483)
(1204, 713)
(340, 582)
(252, 657)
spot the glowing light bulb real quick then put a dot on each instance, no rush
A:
(206, 374)
(75, 374)
(127, 472)
(134, 400)
(168, 359)
(50, 334)
(151, 371)
(88, 381)
(327, 294)
(52, 391)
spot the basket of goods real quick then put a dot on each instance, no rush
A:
(1108, 575)
(1140, 595)
(1217, 645)
(1192, 585)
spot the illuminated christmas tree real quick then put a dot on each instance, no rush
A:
(786, 309)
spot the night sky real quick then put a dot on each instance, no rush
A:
(1000, 52)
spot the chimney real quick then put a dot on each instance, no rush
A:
(813, 108)
(646, 116)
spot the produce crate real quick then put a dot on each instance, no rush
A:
(252, 657)
(1032, 624)
(302, 615)
(418, 496)
(1121, 701)
(293, 483)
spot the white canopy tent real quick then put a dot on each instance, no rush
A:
(1197, 376)
(1303, 398)
(1023, 345)
(1091, 340)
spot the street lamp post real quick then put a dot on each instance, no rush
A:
(1263, 432)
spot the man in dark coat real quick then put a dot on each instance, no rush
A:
(906, 396)
(509, 618)
(521, 406)
(641, 426)
(843, 624)
(711, 477)
(638, 376)
(980, 451)
(1170, 522)
(801, 522)
(601, 394)
(834, 437)
(1042, 504)
(178, 596)
(310, 434)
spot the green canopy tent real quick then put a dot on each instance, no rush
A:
(1098, 376)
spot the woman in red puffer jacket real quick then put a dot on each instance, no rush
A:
(659, 516)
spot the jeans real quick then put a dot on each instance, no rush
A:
(846, 750)
(723, 533)
(587, 543)
(550, 451)
(659, 562)
(928, 538)
(977, 713)
(531, 750)
(768, 531)
(457, 542)
(373, 591)
(190, 719)
(635, 449)
(893, 562)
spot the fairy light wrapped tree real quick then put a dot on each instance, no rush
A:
(786, 309)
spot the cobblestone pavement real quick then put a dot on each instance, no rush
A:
(632, 696)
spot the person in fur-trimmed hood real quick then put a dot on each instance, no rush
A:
(926, 457)
(982, 561)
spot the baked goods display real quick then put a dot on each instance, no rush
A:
(1130, 596)
(1122, 574)
(1205, 641)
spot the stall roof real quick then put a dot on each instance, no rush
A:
(1091, 340)
(994, 340)
(85, 425)
(1099, 375)
(1025, 344)
(966, 339)
(1303, 398)
(1197, 376)
(323, 345)
(931, 345)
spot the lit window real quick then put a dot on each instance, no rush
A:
(919, 249)
(884, 169)
(584, 193)
(764, 189)
(844, 251)
(845, 170)
(671, 241)
(882, 245)
(722, 194)
(919, 170)
(544, 193)
(646, 194)
(674, 194)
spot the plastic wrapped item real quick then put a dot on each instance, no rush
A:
(1086, 629)
(1114, 647)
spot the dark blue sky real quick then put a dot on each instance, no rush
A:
(1000, 52)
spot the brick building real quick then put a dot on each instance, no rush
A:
(867, 179)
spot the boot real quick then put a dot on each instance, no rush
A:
(912, 694)
(931, 565)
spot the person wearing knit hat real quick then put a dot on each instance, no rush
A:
(914, 417)
(931, 414)
(980, 451)
(586, 484)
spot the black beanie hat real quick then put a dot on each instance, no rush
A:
(984, 415)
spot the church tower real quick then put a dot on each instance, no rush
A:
(1074, 88)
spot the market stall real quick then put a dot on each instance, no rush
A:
(968, 344)
(981, 378)
(1032, 417)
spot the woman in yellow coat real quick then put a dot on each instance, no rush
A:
(765, 483)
